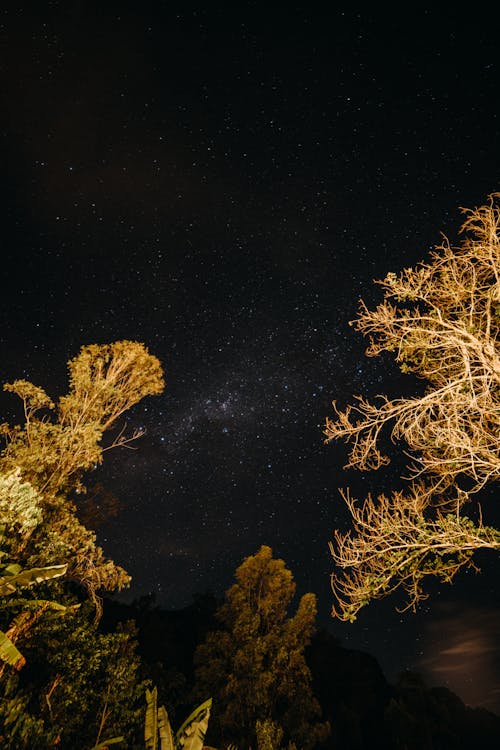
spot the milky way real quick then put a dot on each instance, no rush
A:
(223, 185)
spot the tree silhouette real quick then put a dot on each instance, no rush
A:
(255, 668)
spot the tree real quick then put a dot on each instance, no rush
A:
(105, 381)
(441, 321)
(53, 454)
(255, 668)
(73, 685)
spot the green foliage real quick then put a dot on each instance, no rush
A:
(268, 734)
(78, 684)
(105, 381)
(13, 578)
(191, 734)
(45, 459)
(255, 667)
(19, 727)
(20, 511)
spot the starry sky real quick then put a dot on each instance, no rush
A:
(224, 184)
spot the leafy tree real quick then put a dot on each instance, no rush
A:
(105, 381)
(79, 685)
(441, 320)
(255, 668)
(59, 442)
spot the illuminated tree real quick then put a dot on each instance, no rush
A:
(58, 443)
(105, 381)
(78, 684)
(441, 320)
(255, 668)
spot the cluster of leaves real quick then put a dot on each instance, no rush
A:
(77, 684)
(158, 734)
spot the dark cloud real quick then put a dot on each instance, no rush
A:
(463, 653)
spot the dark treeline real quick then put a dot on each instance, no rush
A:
(365, 711)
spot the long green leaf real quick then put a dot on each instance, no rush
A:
(165, 730)
(195, 715)
(32, 605)
(9, 653)
(195, 735)
(151, 722)
(30, 577)
(191, 734)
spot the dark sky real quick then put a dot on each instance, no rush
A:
(223, 184)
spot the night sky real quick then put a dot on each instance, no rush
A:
(224, 184)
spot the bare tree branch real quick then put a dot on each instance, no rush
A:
(441, 320)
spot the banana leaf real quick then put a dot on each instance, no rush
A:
(33, 605)
(151, 722)
(9, 653)
(191, 734)
(10, 583)
(165, 730)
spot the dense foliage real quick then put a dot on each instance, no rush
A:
(254, 666)
(76, 685)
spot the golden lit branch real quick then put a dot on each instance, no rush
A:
(441, 320)
(393, 545)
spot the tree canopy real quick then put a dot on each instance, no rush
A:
(441, 321)
(75, 683)
(59, 442)
(255, 667)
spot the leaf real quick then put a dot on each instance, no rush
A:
(6, 588)
(165, 730)
(33, 605)
(9, 584)
(151, 721)
(191, 734)
(9, 653)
